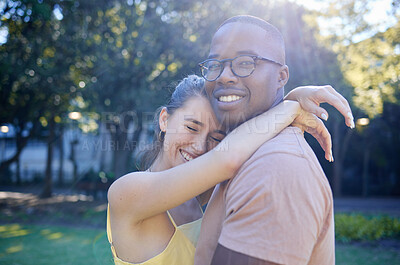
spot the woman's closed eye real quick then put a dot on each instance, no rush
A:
(191, 128)
(215, 139)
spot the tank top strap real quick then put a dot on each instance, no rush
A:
(201, 208)
(172, 219)
(109, 235)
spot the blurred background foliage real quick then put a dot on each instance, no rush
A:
(358, 227)
(120, 59)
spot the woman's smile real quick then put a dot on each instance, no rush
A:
(186, 155)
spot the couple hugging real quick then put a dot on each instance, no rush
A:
(231, 140)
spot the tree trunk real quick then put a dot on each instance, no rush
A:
(121, 151)
(61, 157)
(365, 172)
(72, 158)
(18, 172)
(337, 166)
(340, 142)
(337, 179)
(120, 159)
(122, 145)
(20, 144)
(47, 191)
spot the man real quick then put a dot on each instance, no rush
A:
(278, 209)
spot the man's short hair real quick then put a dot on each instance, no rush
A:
(271, 30)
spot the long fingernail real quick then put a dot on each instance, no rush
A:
(350, 116)
(323, 116)
(352, 125)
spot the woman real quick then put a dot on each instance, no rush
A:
(143, 231)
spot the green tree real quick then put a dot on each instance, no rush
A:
(372, 66)
(129, 55)
(371, 70)
(117, 59)
(35, 82)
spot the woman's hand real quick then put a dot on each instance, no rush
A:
(310, 97)
(310, 123)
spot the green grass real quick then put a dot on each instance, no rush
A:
(358, 255)
(49, 245)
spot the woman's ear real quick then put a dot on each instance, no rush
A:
(163, 119)
(283, 76)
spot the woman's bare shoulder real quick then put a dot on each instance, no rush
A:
(124, 186)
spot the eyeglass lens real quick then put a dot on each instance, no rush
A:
(241, 66)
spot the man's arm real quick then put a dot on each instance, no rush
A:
(226, 256)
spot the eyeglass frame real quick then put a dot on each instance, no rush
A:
(222, 62)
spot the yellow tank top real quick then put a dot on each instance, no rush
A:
(179, 251)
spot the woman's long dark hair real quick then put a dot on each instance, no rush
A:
(189, 87)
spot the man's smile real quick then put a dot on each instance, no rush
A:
(229, 98)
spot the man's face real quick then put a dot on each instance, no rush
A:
(236, 99)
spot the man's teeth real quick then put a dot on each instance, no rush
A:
(186, 155)
(229, 98)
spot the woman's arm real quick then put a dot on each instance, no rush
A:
(141, 195)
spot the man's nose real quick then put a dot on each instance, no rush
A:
(227, 76)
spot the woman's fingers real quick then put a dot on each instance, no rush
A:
(310, 97)
(314, 108)
(314, 126)
(340, 97)
(327, 94)
(324, 138)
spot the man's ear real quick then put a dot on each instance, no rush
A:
(283, 75)
(163, 119)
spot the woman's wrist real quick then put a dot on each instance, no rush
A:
(292, 95)
(292, 108)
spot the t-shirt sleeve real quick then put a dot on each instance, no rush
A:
(274, 209)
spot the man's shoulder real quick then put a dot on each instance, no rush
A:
(289, 141)
(284, 158)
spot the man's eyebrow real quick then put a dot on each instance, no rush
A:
(244, 52)
(194, 121)
(212, 56)
(247, 52)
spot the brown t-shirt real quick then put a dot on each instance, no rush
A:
(278, 208)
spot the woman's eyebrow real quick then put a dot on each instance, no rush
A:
(194, 121)
(220, 132)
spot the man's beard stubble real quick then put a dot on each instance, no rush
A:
(241, 118)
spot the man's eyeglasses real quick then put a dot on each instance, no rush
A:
(241, 66)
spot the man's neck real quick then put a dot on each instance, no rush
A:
(279, 97)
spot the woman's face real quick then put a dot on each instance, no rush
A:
(190, 131)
